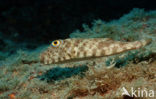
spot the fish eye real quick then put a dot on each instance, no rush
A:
(55, 43)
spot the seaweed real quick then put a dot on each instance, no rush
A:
(135, 58)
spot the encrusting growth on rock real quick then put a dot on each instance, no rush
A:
(79, 48)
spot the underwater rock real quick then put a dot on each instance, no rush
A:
(25, 77)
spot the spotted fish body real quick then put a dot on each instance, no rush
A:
(77, 48)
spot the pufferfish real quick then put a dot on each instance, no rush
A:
(80, 48)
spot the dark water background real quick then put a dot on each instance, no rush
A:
(29, 24)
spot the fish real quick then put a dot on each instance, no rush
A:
(82, 48)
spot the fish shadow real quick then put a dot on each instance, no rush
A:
(58, 73)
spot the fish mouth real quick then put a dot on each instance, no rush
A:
(42, 58)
